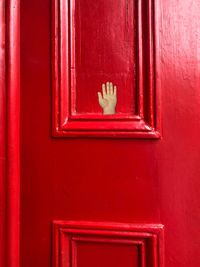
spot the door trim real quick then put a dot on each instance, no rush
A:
(10, 141)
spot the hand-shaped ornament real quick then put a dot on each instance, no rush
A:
(108, 98)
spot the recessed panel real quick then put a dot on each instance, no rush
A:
(106, 255)
(105, 46)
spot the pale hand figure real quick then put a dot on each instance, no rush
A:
(108, 98)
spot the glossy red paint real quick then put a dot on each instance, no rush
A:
(87, 52)
(9, 136)
(2, 133)
(13, 134)
(117, 180)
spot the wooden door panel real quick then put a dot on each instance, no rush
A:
(98, 42)
(124, 181)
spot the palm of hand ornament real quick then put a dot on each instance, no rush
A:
(108, 98)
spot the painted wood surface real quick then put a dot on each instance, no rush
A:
(128, 60)
(9, 133)
(2, 134)
(117, 180)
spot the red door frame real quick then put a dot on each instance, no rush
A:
(9, 134)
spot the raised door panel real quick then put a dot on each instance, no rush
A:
(80, 244)
(98, 41)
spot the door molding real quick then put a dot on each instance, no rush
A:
(147, 239)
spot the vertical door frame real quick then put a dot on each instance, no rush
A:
(2, 133)
(10, 135)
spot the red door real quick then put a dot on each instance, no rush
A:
(119, 190)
